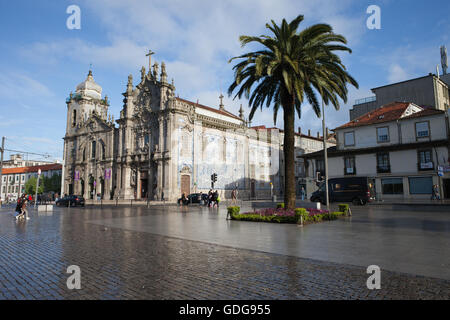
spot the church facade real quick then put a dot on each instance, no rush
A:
(162, 146)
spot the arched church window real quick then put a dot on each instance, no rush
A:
(103, 152)
(84, 154)
(74, 118)
(94, 146)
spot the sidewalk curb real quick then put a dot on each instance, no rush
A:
(410, 204)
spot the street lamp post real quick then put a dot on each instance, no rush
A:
(327, 200)
(37, 186)
(149, 182)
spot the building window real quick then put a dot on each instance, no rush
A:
(425, 160)
(23, 177)
(4, 189)
(383, 165)
(420, 185)
(320, 167)
(74, 118)
(422, 129)
(94, 146)
(392, 185)
(349, 138)
(349, 165)
(103, 152)
(383, 134)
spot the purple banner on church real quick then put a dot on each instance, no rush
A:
(107, 174)
(77, 175)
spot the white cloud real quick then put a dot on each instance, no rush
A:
(195, 38)
(120, 53)
(397, 74)
(13, 85)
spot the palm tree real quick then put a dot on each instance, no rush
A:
(290, 67)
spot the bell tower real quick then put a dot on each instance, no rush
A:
(86, 101)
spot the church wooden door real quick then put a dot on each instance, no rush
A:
(185, 184)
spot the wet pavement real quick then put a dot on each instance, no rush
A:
(195, 253)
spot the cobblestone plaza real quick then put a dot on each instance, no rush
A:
(195, 253)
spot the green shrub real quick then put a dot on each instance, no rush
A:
(343, 207)
(233, 211)
(301, 212)
(280, 205)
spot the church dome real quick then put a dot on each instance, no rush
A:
(89, 88)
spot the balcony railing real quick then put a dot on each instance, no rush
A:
(365, 100)
(384, 169)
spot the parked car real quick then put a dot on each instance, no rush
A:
(73, 200)
(195, 198)
(359, 190)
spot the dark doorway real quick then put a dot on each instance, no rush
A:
(252, 189)
(102, 187)
(446, 184)
(185, 184)
(91, 187)
(70, 189)
(144, 187)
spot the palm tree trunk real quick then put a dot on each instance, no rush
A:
(289, 154)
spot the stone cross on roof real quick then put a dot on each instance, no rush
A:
(149, 55)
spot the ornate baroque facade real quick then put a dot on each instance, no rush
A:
(162, 146)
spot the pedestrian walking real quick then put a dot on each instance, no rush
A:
(435, 192)
(210, 195)
(217, 198)
(303, 193)
(234, 196)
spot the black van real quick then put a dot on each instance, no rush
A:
(358, 190)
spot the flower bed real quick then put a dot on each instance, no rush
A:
(281, 215)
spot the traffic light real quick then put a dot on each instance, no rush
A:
(214, 177)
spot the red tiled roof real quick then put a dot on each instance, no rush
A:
(225, 113)
(389, 112)
(45, 167)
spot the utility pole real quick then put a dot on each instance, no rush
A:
(37, 187)
(327, 200)
(2, 150)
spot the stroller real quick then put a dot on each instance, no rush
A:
(21, 211)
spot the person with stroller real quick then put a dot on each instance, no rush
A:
(21, 208)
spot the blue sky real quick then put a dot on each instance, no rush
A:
(42, 61)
